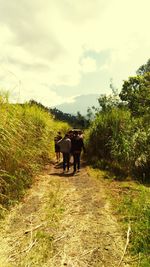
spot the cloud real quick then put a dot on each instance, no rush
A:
(79, 12)
(88, 64)
(38, 92)
(71, 44)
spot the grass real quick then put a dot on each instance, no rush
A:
(43, 249)
(131, 204)
(35, 248)
(26, 144)
(135, 208)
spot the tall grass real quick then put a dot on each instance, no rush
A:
(117, 140)
(26, 143)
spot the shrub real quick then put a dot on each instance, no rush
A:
(119, 139)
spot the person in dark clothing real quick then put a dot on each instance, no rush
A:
(71, 136)
(65, 147)
(77, 145)
(57, 147)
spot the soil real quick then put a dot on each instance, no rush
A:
(75, 210)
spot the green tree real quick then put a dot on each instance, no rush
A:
(136, 93)
(144, 68)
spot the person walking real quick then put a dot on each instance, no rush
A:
(57, 148)
(76, 147)
(65, 147)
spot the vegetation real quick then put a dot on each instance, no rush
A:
(131, 205)
(118, 140)
(26, 143)
(77, 121)
(119, 136)
(135, 210)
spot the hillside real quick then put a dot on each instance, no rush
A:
(81, 104)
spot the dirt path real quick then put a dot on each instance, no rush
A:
(64, 220)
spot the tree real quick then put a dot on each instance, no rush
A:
(136, 93)
(81, 121)
(144, 68)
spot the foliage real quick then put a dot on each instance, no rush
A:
(108, 102)
(26, 142)
(120, 133)
(105, 131)
(118, 139)
(136, 92)
(135, 209)
(76, 121)
(144, 68)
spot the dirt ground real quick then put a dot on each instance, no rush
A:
(64, 220)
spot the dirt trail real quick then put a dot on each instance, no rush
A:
(75, 212)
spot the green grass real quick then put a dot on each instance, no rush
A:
(117, 137)
(26, 144)
(131, 204)
(135, 208)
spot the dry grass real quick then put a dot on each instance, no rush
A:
(26, 143)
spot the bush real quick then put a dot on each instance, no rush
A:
(104, 136)
(120, 140)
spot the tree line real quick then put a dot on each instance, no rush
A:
(76, 121)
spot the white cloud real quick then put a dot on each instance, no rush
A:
(88, 64)
(38, 92)
(44, 42)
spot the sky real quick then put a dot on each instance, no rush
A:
(54, 50)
